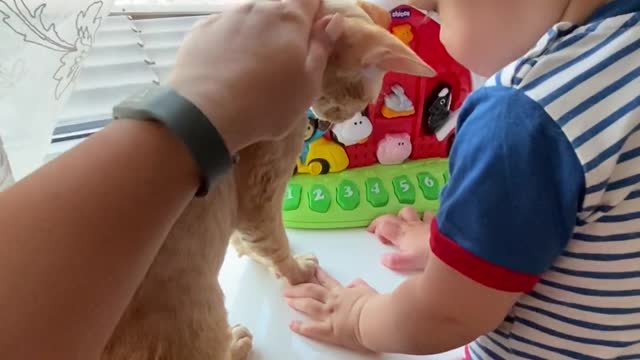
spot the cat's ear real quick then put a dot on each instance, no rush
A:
(378, 14)
(390, 54)
(378, 48)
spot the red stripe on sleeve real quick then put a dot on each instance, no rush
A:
(476, 268)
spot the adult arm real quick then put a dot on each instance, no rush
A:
(80, 233)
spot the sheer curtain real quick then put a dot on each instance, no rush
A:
(42, 45)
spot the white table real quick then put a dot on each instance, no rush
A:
(254, 296)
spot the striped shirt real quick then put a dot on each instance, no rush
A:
(544, 193)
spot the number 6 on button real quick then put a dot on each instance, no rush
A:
(429, 186)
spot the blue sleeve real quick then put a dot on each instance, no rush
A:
(514, 193)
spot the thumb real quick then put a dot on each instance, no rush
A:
(323, 36)
(404, 261)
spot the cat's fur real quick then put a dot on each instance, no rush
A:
(178, 311)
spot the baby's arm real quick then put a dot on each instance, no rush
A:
(433, 312)
(506, 215)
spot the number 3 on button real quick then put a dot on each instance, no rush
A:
(348, 195)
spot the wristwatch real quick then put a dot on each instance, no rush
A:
(188, 123)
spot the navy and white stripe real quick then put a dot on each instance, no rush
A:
(587, 306)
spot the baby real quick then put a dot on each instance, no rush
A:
(535, 251)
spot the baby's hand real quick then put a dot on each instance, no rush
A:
(334, 310)
(407, 232)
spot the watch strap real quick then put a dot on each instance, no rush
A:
(188, 123)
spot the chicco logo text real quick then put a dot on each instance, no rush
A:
(401, 14)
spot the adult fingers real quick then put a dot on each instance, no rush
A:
(326, 280)
(307, 8)
(310, 307)
(404, 261)
(323, 36)
(308, 290)
(409, 214)
(427, 5)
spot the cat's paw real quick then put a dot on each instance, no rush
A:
(241, 342)
(303, 270)
(239, 244)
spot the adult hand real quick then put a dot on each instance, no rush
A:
(334, 310)
(256, 68)
(407, 232)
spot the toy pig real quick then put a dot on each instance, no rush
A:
(354, 131)
(394, 149)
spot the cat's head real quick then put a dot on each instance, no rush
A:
(362, 55)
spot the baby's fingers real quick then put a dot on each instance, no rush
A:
(320, 331)
(360, 283)
(389, 232)
(404, 261)
(379, 220)
(409, 214)
(310, 307)
(427, 217)
(308, 290)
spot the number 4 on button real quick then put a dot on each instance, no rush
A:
(376, 193)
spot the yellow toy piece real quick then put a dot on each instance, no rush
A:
(397, 104)
(324, 156)
(390, 113)
(403, 32)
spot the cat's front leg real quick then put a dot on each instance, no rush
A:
(272, 252)
(241, 343)
(261, 179)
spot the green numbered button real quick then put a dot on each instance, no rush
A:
(376, 193)
(404, 190)
(319, 198)
(429, 186)
(292, 197)
(348, 195)
(445, 177)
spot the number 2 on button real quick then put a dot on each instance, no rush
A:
(319, 199)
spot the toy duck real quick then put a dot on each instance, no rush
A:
(397, 104)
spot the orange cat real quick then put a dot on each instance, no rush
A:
(178, 311)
